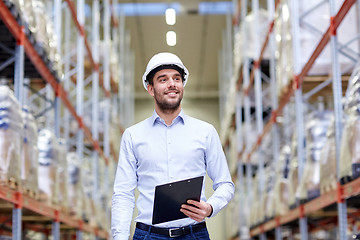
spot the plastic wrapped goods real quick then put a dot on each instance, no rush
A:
(315, 20)
(281, 191)
(88, 188)
(29, 154)
(293, 172)
(48, 164)
(62, 176)
(11, 125)
(350, 149)
(328, 178)
(268, 198)
(248, 26)
(350, 142)
(74, 181)
(316, 130)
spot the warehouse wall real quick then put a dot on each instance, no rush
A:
(204, 109)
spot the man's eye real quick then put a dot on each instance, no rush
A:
(163, 80)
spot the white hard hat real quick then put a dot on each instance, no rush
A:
(164, 59)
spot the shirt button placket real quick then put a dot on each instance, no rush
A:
(170, 162)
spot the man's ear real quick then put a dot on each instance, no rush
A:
(150, 89)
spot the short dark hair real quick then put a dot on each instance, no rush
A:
(150, 76)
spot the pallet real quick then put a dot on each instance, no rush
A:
(328, 185)
(31, 193)
(11, 183)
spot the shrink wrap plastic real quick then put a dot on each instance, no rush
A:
(316, 129)
(48, 165)
(62, 176)
(350, 143)
(36, 18)
(328, 178)
(11, 126)
(310, 35)
(281, 188)
(88, 188)
(293, 172)
(268, 196)
(249, 39)
(24, 7)
(29, 153)
(254, 202)
(74, 184)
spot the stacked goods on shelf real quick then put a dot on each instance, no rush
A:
(268, 196)
(232, 155)
(74, 181)
(46, 37)
(269, 178)
(39, 30)
(87, 191)
(281, 191)
(261, 24)
(11, 128)
(310, 35)
(328, 178)
(350, 143)
(253, 202)
(62, 176)
(102, 203)
(23, 12)
(293, 172)
(232, 213)
(29, 155)
(48, 165)
(316, 128)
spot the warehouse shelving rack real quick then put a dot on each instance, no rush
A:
(244, 83)
(30, 63)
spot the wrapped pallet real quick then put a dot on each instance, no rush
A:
(62, 176)
(253, 202)
(88, 189)
(74, 184)
(24, 7)
(11, 126)
(316, 129)
(268, 195)
(350, 143)
(311, 12)
(328, 178)
(29, 155)
(293, 172)
(281, 188)
(48, 165)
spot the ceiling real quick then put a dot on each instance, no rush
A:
(199, 40)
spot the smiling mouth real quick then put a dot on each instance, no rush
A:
(172, 93)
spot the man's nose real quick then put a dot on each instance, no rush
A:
(171, 82)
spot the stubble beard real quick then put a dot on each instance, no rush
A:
(166, 106)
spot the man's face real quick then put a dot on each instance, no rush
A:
(167, 89)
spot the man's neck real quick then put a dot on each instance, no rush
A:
(168, 114)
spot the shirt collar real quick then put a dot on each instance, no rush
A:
(180, 118)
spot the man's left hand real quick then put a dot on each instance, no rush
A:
(199, 211)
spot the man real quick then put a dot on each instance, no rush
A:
(167, 147)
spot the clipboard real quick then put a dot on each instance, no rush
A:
(169, 197)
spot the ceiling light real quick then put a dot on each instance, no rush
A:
(170, 16)
(171, 38)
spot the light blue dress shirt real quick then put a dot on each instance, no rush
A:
(154, 153)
